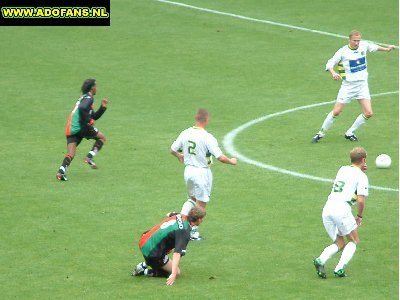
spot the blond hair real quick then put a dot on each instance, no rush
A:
(357, 154)
(353, 33)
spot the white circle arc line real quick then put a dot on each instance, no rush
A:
(228, 143)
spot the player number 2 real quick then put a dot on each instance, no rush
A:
(191, 148)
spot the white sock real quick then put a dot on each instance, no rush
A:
(328, 122)
(187, 206)
(328, 253)
(148, 272)
(347, 254)
(93, 153)
(361, 119)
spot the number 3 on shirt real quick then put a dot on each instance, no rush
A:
(338, 186)
(191, 148)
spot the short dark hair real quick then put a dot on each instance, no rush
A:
(202, 115)
(87, 85)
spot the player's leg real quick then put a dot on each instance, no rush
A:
(202, 191)
(187, 206)
(196, 189)
(167, 268)
(331, 250)
(347, 253)
(190, 186)
(154, 267)
(347, 227)
(100, 140)
(366, 106)
(190, 181)
(189, 176)
(142, 267)
(72, 143)
(362, 118)
(345, 94)
(329, 120)
(203, 187)
(364, 99)
(160, 267)
(201, 204)
(331, 228)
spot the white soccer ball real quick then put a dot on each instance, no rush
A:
(383, 161)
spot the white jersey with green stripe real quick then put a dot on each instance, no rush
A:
(197, 144)
(352, 63)
(349, 180)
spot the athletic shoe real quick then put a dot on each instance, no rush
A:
(199, 238)
(195, 236)
(90, 162)
(139, 269)
(61, 177)
(340, 273)
(317, 137)
(352, 138)
(320, 268)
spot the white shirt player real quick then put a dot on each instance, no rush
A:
(352, 64)
(197, 145)
(349, 180)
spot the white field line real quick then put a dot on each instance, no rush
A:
(228, 143)
(261, 20)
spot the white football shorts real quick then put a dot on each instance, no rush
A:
(338, 220)
(353, 90)
(198, 182)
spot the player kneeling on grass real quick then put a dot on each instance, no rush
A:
(337, 217)
(156, 243)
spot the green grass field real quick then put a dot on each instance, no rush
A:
(158, 63)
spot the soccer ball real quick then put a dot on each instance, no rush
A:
(383, 161)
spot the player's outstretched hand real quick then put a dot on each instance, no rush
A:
(104, 102)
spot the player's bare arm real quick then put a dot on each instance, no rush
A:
(178, 155)
(335, 75)
(387, 49)
(360, 206)
(226, 160)
(175, 268)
